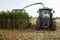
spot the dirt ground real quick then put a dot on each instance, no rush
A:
(14, 34)
(29, 35)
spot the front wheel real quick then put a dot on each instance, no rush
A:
(52, 25)
(38, 24)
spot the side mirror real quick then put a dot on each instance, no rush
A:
(53, 11)
(37, 11)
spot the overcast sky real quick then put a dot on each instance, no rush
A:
(18, 4)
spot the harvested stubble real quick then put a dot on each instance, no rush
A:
(58, 24)
(29, 35)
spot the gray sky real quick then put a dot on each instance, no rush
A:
(14, 4)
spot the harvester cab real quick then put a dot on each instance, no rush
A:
(45, 12)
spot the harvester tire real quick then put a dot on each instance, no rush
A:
(38, 24)
(53, 25)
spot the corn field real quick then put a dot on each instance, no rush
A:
(14, 19)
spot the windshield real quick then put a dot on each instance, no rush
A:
(46, 13)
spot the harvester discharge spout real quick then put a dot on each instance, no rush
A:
(34, 4)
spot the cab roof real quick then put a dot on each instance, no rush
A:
(45, 8)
